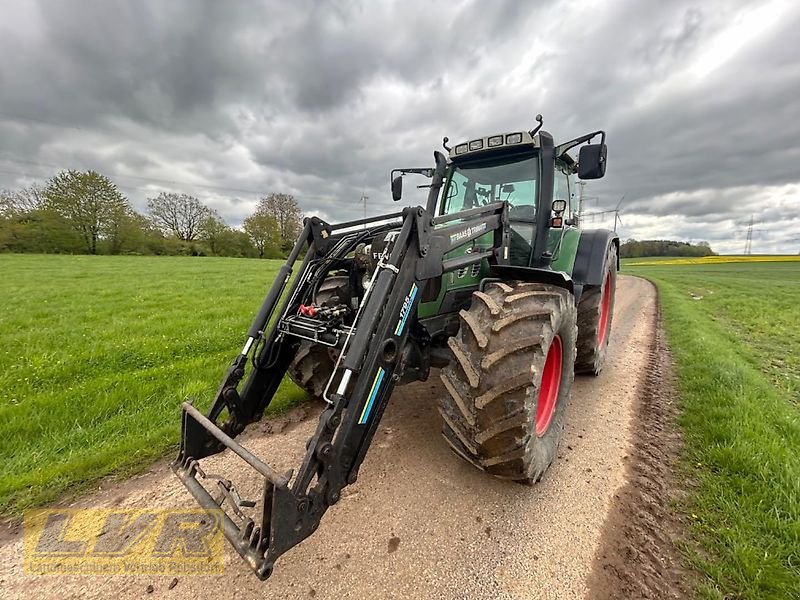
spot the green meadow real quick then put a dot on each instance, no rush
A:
(734, 332)
(98, 352)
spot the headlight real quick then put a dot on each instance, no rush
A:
(476, 144)
(461, 148)
(496, 140)
(514, 138)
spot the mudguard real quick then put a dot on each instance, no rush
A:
(590, 258)
(557, 278)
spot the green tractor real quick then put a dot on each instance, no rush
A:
(493, 282)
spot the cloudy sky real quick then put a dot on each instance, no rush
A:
(229, 101)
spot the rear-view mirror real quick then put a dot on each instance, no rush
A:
(397, 188)
(592, 161)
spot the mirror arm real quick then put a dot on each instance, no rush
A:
(567, 146)
(425, 171)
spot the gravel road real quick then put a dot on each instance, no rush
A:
(419, 523)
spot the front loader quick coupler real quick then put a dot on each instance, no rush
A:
(285, 519)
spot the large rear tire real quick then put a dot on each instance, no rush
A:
(595, 313)
(313, 364)
(508, 383)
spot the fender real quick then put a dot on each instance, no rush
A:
(591, 256)
(557, 278)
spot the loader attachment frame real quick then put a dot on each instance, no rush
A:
(292, 505)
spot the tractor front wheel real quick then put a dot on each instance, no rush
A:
(508, 383)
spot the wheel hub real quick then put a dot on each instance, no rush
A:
(550, 386)
(605, 309)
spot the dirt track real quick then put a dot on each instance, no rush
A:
(420, 523)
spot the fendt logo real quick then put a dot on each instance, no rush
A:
(98, 541)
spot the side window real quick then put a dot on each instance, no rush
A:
(464, 194)
(454, 202)
(573, 197)
(562, 189)
(561, 185)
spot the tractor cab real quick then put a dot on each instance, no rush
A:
(528, 172)
(498, 168)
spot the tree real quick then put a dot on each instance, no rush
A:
(211, 231)
(90, 203)
(233, 242)
(264, 231)
(39, 230)
(178, 214)
(23, 200)
(126, 234)
(287, 213)
(635, 249)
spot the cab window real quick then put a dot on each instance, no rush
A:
(512, 180)
(563, 188)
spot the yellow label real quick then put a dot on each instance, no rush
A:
(123, 541)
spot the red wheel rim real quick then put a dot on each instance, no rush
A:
(605, 310)
(548, 391)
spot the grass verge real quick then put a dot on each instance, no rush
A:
(729, 326)
(97, 353)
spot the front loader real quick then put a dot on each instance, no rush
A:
(493, 282)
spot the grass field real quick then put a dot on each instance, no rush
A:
(97, 353)
(734, 330)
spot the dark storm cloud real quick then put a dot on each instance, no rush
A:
(153, 63)
(322, 99)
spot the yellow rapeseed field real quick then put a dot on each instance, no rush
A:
(716, 260)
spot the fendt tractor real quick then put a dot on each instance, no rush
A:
(493, 282)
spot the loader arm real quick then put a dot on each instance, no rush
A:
(291, 506)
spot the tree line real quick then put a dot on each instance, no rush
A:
(83, 212)
(637, 249)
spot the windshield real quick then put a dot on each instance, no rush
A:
(507, 179)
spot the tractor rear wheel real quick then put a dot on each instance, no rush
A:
(508, 383)
(313, 364)
(595, 313)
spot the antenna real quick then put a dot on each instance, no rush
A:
(538, 127)
(445, 139)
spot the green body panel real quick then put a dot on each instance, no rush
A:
(564, 256)
(564, 248)
(456, 280)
